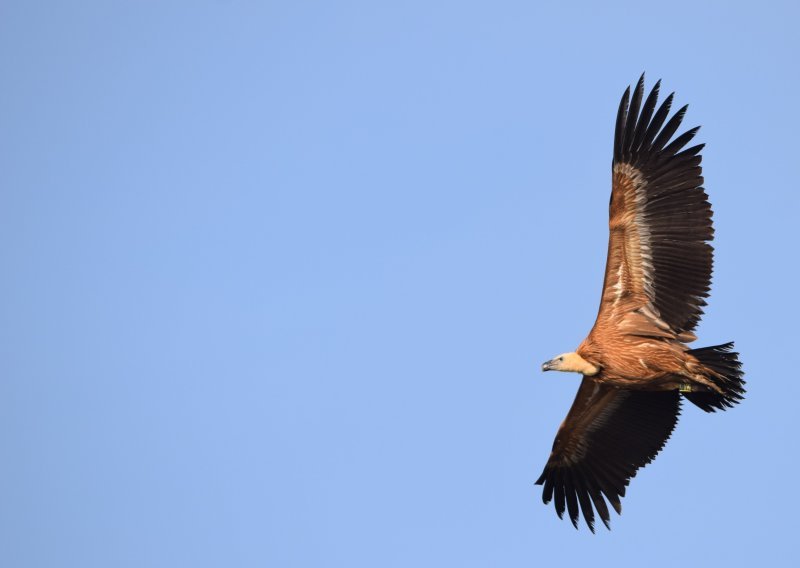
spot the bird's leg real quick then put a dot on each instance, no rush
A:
(698, 379)
(699, 383)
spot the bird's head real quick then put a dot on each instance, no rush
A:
(570, 363)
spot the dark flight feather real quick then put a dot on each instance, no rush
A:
(597, 454)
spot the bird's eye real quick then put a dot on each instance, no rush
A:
(560, 359)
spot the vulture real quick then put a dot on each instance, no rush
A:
(635, 362)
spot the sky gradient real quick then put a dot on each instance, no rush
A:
(278, 279)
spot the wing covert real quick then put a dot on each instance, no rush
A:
(659, 256)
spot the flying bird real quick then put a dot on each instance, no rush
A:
(635, 362)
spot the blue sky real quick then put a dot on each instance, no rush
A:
(278, 279)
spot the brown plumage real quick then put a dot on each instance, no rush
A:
(635, 361)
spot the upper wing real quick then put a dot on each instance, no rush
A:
(659, 261)
(607, 436)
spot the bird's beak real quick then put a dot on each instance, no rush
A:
(547, 365)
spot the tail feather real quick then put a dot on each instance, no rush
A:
(727, 374)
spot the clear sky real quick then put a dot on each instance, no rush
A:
(278, 278)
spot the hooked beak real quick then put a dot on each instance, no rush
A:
(547, 365)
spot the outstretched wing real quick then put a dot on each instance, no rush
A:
(659, 260)
(607, 436)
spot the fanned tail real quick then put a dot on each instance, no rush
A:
(727, 374)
